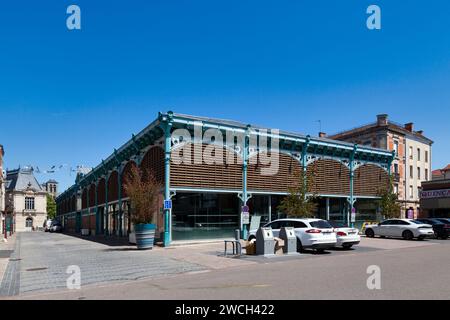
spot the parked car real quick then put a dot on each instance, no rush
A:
(444, 220)
(346, 237)
(47, 225)
(56, 227)
(441, 230)
(313, 234)
(407, 229)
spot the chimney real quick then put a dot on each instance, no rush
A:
(322, 135)
(420, 132)
(382, 120)
(409, 126)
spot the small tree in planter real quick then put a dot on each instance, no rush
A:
(143, 191)
(301, 200)
(390, 208)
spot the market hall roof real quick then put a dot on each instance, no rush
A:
(22, 179)
(155, 130)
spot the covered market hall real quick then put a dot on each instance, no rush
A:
(211, 169)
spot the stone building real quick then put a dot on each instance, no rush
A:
(26, 198)
(435, 196)
(412, 163)
(51, 187)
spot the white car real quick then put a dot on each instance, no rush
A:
(346, 237)
(407, 229)
(314, 234)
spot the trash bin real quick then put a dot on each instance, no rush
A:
(290, 240)
(265, 243)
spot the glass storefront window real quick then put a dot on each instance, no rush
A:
(204, 215)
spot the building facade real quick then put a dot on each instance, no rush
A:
(435, 196)
(413, 161)
(26, 198)
(211, 178)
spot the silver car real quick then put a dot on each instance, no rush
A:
(407, 229)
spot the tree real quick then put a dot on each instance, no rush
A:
(389, 205)
(301, 200)
(143, 190)
(51, 207)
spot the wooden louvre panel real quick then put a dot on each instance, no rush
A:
(369, 179)
(126, 175)
(92, 222)
(84, 198)
(85, 222)
(153, 161)
(113, 186)
(277, 179)
(101, 191)
(329, 177)
(73, 204)
(209, 174)
(92, 195)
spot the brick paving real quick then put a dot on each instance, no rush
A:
(40, 262)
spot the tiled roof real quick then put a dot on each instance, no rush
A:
(22, 179)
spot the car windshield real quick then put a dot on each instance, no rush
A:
(336, 224)
(417, 222)
(320, 224)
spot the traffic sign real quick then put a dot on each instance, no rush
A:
(167, 204)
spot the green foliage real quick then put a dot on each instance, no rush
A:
(51, 207)
(301, 200)
(143, 190)
(389, 205)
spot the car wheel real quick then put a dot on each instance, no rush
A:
(408, 235)
(300, 246)
(369, 233)
(320, 251)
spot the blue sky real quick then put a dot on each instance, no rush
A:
(70, 97)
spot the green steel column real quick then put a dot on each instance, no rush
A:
(244, 181)
(167, 155)
(304, 162)
(352, 178)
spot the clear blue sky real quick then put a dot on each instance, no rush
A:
(70, 97)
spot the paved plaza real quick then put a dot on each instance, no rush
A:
(114, 270)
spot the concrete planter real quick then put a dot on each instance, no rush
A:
(145, 235)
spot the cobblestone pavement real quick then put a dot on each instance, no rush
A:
(41, 260)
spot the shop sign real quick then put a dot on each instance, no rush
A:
(433, 194)
(245, 217)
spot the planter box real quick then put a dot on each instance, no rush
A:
(84, 232)
(145, 235)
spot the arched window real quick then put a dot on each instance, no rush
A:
(29, 223)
